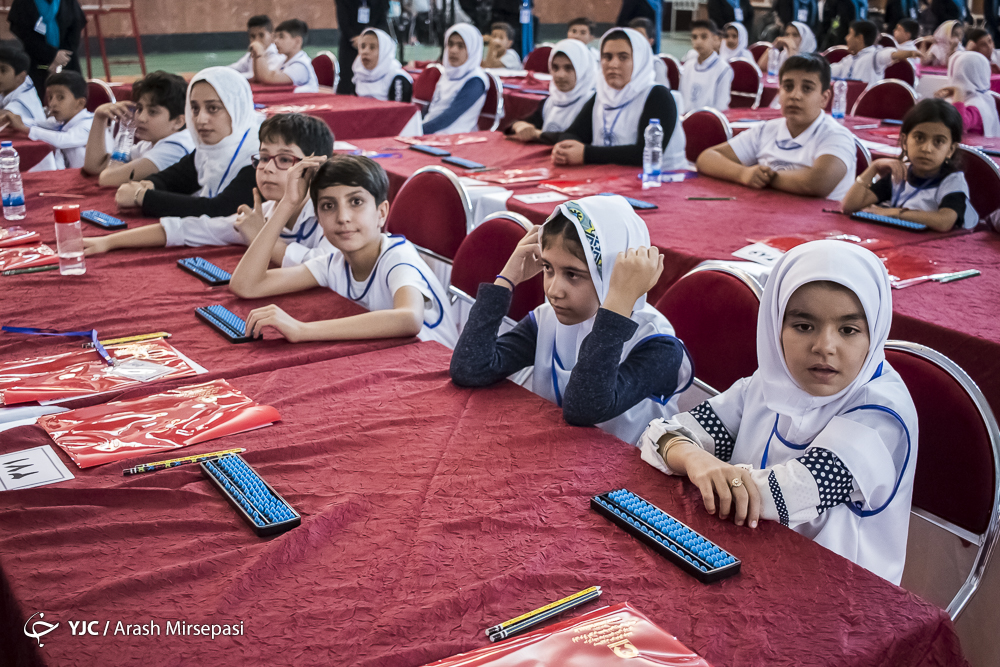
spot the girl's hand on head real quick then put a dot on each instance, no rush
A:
(249, 221)
(275, 318)
(636, 272)
(714, 479)
(525, 261)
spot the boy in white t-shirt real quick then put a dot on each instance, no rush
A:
(866, 61)
(643, 25)
(498, 51)
(297, 69)
(905, 33)
(157, 109)
(706, 79)
(259, 30)
(805, 153)
(980, 40)
(17, 90)
(582, 30)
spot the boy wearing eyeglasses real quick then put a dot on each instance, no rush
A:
(285, 140)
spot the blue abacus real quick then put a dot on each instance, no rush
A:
(864, 216)
(692, 552)
(225, 322)
(254, 499)
(103, 220)
(205, 271)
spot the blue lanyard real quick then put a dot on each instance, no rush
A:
(230, 165)
(92, 335)
(609, 135)
(928, 182)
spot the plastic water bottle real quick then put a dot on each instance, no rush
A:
(773, 56)
(10, 182)
(69, 240)
(124, 140)
(652, 154)
(839, 99)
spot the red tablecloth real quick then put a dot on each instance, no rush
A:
(348, 116)
(30, 151)
(943, 71)
(854, 90)
(429, 512)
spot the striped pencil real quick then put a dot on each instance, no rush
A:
(173, 463)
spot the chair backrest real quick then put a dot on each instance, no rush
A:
(903, 71)
(864, 157)
(835, 54)
(758, 49)
(673, 70)
(983, 178)
(887, 41)
(325, 65)
(425, 83)
(433, 211)
(492, 113)
(485, 252)
(889, 98)
(704, 128)
(695, 305)
(98, 93)
(956, 484)
(538, 60)
(748, 83)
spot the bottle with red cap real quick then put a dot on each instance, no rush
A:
(69, 240)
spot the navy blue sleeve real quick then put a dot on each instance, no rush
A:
(600, 388)
(467, 96)
(482, 358)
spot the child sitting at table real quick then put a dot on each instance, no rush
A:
(735, 43)
(823, 436)
(67, 127)
(157, 109)
(805, 152)
(981, 41)
(574, 75)
(377, 73)
(297, 70)
(924, 185)
(17, 91)
(610, 127)
(460, 93)
(500, 54)
(599, 351)
(797, 38)
(644, 26)
(905, 33)
(947, 41)
(383, 273)
(707, 77)
(285, 140)
(866, 61)
(259, 30)
(582, 29)
(217, 176)
(969, 91)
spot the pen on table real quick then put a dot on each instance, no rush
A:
(832, 210)
(552, 610)
(870, 126)
(60, 194)
(535, 612)
(30, 269)
(131, 339)
(710, 198)
(173, 463)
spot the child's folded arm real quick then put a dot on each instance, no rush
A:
(481, 357)
(182, 177)
(818, 180)
(75, 137)
(158, 203)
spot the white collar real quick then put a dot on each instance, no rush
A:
(805, 135)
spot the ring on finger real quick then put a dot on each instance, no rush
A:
(736, 482)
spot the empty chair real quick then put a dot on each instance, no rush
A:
(889, 98)
(983, 177)
(327, 69)
(704, 128)
(835, 54)
(98, 93)
(673, 70)
(747, 85)
(903, 71)
(492, 113)
(424, 85)
(538, 60)
(758, 49)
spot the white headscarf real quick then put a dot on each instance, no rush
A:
(808, 43)
(606, 226)
(941, 50)
(970, 71)
(218, 164)
(376, 82)
(454, 78)
(741, 47)
(617, 112)
(561, 109)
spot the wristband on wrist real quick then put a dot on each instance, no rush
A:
(508, 280)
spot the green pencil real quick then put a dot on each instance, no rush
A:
(31, 269)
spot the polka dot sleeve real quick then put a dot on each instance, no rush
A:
(833, 480)
(713, 426)
(801, 489)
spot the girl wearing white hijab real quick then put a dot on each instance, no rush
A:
(742, 38)
(574, 75)
(599, 351)
(947, 42)
(798, 39)
(610, 127)
(969, 90)
(823, 436)
(461, 91)
(382, 78)
(217, 176)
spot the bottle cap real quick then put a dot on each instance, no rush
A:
(654, 121)
(5, 144)
(66, 213)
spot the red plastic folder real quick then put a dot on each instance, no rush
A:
(83, 372)
(610, 636)
(12, 236)
(174, 419)
(25, 257)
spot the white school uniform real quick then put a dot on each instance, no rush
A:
(376, 82)
(970, 72)
(770, 144)
(660, 75)
(866, 65)
(24, 102)
(164, 152)
(69, 140)
(928, 197)
(911, 45)
(607, 226)
(300, 70)
(742, 41)
(837, 469)
(561, 109)
(454, 79)
(511, 60)
(706, 84)
(245, 64)
(398, 265)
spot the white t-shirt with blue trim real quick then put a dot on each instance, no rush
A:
(299, 69)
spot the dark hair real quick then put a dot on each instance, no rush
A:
(561, 226)
(355, 170)
(583, 20)
(707, 24)
(506, 27)
(808, 63)
(260, 21)
(641, 22)
(73, 81)
(15, 56)
(617, 33)
(934, 110)
(166, 90)
(295, 28)
(911, 27)
(975, 34)
(309, 133)
(867, 30)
